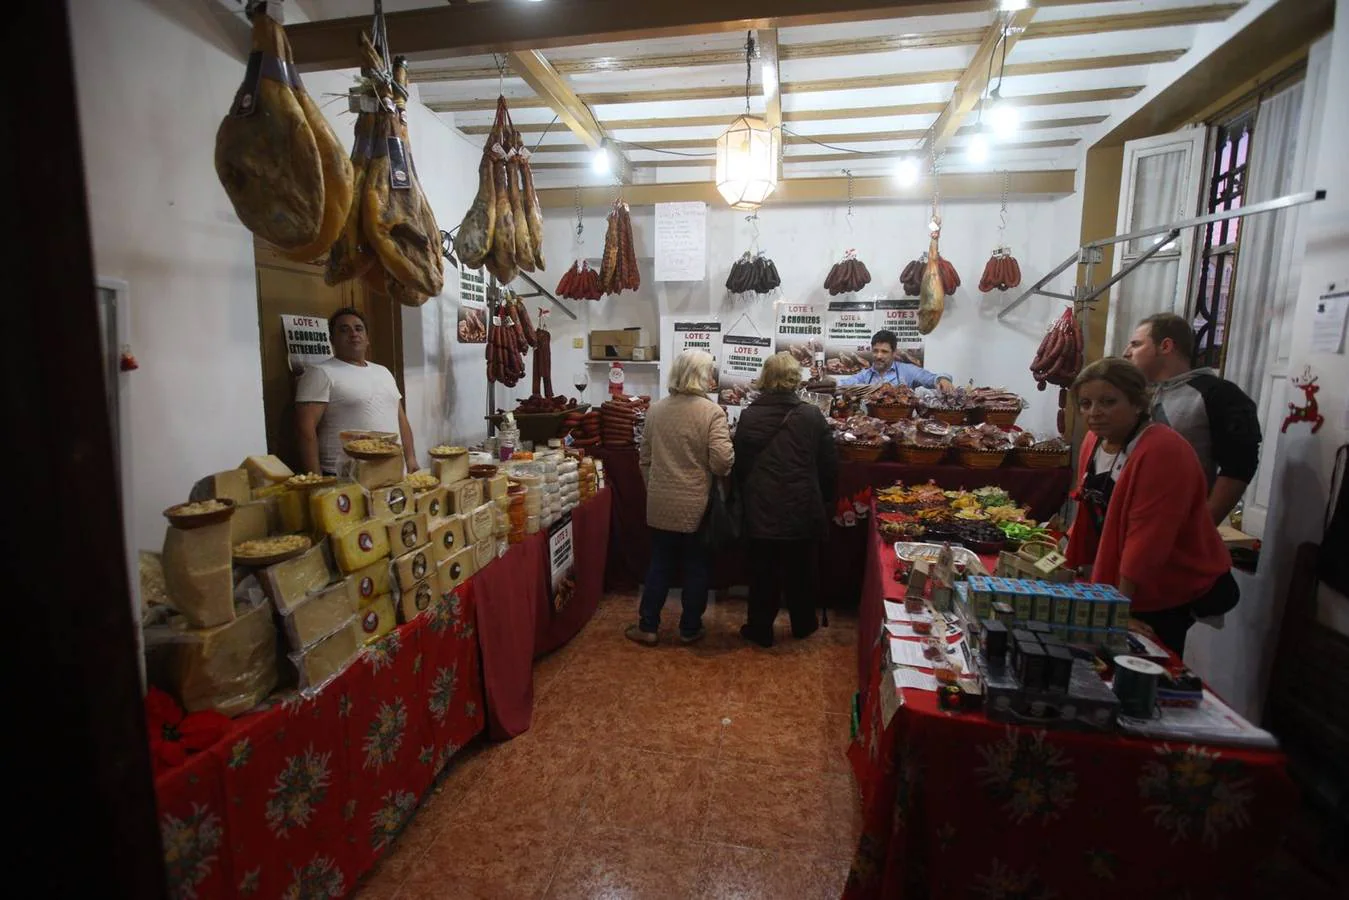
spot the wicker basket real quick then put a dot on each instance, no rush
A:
(861, 452)
(1039, 459)
(889, 413)
(919, 456)
(979, 459)
(1003, 418)
(949, 416)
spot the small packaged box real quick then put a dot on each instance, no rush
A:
(1021, 602)
(1062, 612)
(1043, 603)
(1082, 609)
(1031, 667)
(995, 644)
(1119, 613)
(1101, 610)
(1003, 612)
(1059, 668)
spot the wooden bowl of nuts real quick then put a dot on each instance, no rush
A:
(371, 448)
(271, 550)
(199, 514)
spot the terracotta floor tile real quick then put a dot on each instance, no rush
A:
(650, 793)
(611, 863)
(778, 736)
(489, 858)
(740, 873)
(773, 808)
(777, 682)
(838, 735)
(679, 723)
(547, 779)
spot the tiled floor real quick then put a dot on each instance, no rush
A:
(711, 771)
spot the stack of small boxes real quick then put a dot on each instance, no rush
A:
(1095, 614)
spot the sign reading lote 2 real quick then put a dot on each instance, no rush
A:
(561, 562)
(306, 341)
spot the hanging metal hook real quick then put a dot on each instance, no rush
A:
(501, 74)
(753, 220)
(1002, 213)
(848, 172)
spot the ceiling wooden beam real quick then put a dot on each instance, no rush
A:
(562, 100)
(772, 85)
(954, 186)
(959, 37)
(475, 28)
(862, 82)
(706, 162)
(1004, 32)
(1061, 98)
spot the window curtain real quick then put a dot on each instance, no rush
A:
(1265, 287)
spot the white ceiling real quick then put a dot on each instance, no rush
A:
(682, 164)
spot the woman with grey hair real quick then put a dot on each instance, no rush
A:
(686, 443)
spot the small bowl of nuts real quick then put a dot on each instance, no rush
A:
(309, 480)
(271, 550)
(423, 481)
(199, 514)
(371, 448)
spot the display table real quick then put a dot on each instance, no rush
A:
(842, 556)
(957, 806)
(305, 794)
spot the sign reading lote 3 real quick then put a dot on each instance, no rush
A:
(306, 341)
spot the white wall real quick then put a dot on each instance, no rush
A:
(804, 241)
(1236, 660)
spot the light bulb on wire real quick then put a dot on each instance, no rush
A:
(1003, 118)
(906, 171)
(600, 163)
(1012, 5)
(976, 151)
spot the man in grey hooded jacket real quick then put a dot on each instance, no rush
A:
(1213, 414)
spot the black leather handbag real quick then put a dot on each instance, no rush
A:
(724, 520)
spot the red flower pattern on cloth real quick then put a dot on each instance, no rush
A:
(175, 735)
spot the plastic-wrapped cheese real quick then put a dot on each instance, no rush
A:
(391, 502)
(465, 495)
(377, 618)
(435, 503)
(288, 583)
(318, 664)
(230, 668)
(320, 614)
(416, 601)
(360, 545)
(412, 567)
(447, 539)
(456, 570)
(372, 581)
(484, 552)
(334, 508)
(408, 532)
(479, 524)
(265, 470)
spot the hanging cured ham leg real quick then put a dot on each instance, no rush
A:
(932, 295)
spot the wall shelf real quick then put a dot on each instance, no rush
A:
(625, 362)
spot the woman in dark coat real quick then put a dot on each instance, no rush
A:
(785, 470)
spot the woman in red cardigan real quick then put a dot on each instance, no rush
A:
(1142, 516)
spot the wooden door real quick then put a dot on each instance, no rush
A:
(298, 289)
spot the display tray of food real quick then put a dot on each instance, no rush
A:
(309, 481)
(1030, 453)
(997, 406)
(914, 552)
(422, 481)
(371, 448)
(891, 403)
(199, 514)
(269, 551)
(983, 520)
(445, 451)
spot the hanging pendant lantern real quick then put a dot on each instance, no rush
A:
(747, 156)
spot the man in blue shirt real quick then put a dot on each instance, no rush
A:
(884, 369)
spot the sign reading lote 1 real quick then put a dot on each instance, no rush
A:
(306, 341)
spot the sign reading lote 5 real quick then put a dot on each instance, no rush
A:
(306, 341)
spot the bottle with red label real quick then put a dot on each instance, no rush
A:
(616, 380)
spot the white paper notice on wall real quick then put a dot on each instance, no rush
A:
(306, 341)
(1328, 322)
(681, 241)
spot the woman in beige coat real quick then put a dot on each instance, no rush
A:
(686, 443)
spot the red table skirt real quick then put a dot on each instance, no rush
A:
(304, 795)
(957, 806)
(843, 554)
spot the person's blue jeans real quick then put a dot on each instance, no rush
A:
(669, 551)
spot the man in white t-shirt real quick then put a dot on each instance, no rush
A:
(347, 393)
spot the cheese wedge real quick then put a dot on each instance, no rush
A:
(479, 524)
(320, 614)
(447, 539)
(484, 552)
(496, 486)
(435, 503)
(377, 618)
(228, 485)
(288, 583)
(230, 668)
(377, 473)
(412, 567)
(334, 508)
(452, 469)
(253, 520)
(294, 508)
(408, 532)
(456, 570)
(198, 573)
(416, 601)
(391, 502)
(372, 581)
(465, 496)
(360, 545)
(319, 663)
(265, 470)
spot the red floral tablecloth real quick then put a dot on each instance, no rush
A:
(957, 806)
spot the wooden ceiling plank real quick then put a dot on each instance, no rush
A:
(1004, 31)
(960, 37)
(864, 82)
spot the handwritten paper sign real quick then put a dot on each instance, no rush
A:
(681, 241)
(306, 341)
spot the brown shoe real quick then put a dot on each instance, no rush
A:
(635, 633)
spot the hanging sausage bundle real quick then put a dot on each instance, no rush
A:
(511, 335)
(1059, 357)
(848, 276)
(580, 283)
(503, 228)
(1002, 271)
(543, 359)
(618, 269)
(279, 162)
(912, 276)
(753, 274)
